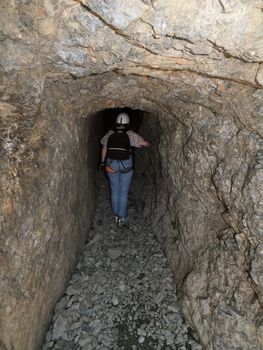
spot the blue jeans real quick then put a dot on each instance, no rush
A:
(119, 184)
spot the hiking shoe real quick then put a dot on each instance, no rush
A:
(116, 219)
(123, 223)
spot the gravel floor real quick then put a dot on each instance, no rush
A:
(121, 295)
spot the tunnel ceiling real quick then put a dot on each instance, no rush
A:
(151, 55)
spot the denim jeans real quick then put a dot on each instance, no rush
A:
(119, 184)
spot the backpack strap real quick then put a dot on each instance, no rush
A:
(125, 170)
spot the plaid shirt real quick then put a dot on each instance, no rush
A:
(135, 139)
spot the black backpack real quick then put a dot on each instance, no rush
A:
(118, 146)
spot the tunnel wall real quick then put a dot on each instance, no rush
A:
(203, 204)
(46, 219)
(195, 205)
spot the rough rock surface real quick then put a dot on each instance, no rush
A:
(197, 66)
(122, 293)
(200, 215)
(45, 215)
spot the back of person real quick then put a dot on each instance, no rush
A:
(116, 158)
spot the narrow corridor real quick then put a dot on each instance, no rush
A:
(121, 295)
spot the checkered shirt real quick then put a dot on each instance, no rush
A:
(135, 139)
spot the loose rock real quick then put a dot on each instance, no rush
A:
(120, 296)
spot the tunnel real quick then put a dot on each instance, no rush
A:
(194, 76)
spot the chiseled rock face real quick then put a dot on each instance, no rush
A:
(207, 216)
(197, 66)
(46, 209)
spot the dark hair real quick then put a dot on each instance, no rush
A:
(122, 126)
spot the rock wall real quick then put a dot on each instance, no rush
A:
(205, 214)
(197, 67)
(45, 219)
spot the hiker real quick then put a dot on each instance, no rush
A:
(116, 158)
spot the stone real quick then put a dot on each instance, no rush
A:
(114, 253)
(259, 76)
(121, 286)
(159, 298)
(104, 318)
(106, 341)
(195, 74)
(100, 290)
(48, 345)
(63, 345)
(74, 326)
(87, 347)
(141, 340)
(169, 337)
(173, 308)
(194, 345)
(141, 332)
(84, 340)
(115, 300)
(60, 326)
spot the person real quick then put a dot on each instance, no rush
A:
(116, 158)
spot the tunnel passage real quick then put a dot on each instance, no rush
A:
(198, 71)
(185, 191)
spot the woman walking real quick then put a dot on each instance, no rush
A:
(116, 157)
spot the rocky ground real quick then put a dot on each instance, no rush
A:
(121, 295)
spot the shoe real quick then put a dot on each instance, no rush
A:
(122, 223)
(116, 219)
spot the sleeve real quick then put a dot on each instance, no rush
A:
(135, 139)
(104, 139)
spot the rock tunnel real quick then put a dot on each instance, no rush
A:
(194, 70)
